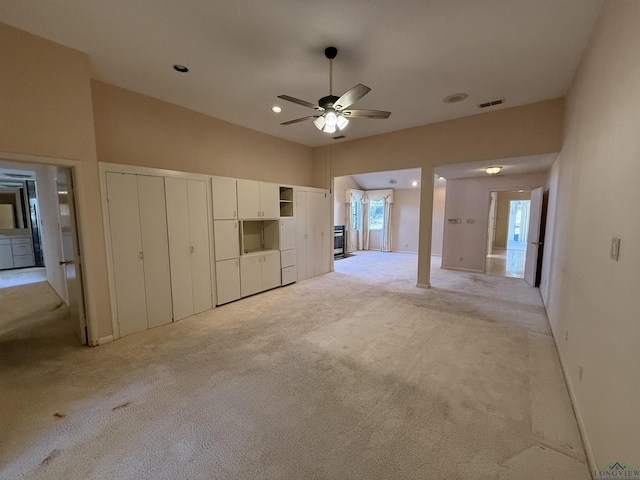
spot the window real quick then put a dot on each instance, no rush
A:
(376, 214)
(355, 215)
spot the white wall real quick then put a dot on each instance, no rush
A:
(591, 299)
(51, 240)
(437, 229)
(405, 221)
(464, 244)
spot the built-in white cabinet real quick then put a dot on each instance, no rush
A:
(228, 280)
(259, 272)
(258, 199)
(312, 233)
(225, 205)
(6, 257)
(227, 239)
(189, 248)
(288, 254)
(140, 251)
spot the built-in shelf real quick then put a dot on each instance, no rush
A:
(260, 236)
(286, 202)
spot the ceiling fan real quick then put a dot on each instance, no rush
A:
(333, 112)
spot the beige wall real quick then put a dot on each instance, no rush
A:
(526, 130)
(468, 199)
(340, 184)
(503, 208)
(134, 129)
(405, 220)
(46, 111)
(437, 223)
(592, 300)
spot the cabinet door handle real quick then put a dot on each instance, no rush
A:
(192, 249)
(263, 213)
(258, 213)
(141, 255)
(237, 262)
(234, 214)
(235, 224)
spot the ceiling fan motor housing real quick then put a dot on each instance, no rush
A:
(328, 101)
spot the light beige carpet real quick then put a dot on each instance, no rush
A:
(357, 374)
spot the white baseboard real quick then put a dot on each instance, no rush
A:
(472, 270)
(591, 459)
(107, 339)
(423, 285)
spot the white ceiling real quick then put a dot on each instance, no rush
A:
(243, 53)
(510, 166)
(380, 180)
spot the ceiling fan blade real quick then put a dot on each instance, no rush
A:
(366, 114)
(304, 103)
(351, 97)
(299, 119)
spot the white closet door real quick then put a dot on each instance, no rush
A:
(155, 247)
(228, 280)
(270, 200)
(314, 233)
(179, 247)
(301, 234)
(250, 275)
(326, 236)
(271, 270)
(227, 239)
(225, 204)
(248, 199)
(126, 246)
(200, 246)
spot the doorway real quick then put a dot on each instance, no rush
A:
(509, 216)
(39, 249)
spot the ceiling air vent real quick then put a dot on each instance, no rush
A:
(339, 137)
(491, 104)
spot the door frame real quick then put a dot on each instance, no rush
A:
(486, 237)
(86, 271)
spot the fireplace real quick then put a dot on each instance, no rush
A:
(338, 241)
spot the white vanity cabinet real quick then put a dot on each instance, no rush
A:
(258, 199)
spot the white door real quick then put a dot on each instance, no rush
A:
(71, 251)
(270, 200)
(227, 239)
(225, 204)
(248, 199)
(533, 237)
(301, 234)
(228, 280)
(126, 246)
(200, 246)
(179, 247)
(250, 275)
(271, 270)
(287, 233)
(155, 250)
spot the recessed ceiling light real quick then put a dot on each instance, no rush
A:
(392, 181)
(494, 170)
(440, 177)
(276, 109)
(180, 68)
(414, 183)
(455, 98)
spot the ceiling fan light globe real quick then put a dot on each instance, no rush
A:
(329, 129)
(342, 122)
(319, 123)
(331, 118)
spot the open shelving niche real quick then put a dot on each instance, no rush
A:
(260, 236)
(286, 202)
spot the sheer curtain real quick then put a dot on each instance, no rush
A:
(385, 232)
(365, 221)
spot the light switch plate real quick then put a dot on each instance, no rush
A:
(615, 248)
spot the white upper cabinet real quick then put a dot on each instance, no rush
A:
(225, 204)
(269, 200)
(227, 239)
(258, 199)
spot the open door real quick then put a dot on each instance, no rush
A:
(71, 251)
(533, 237)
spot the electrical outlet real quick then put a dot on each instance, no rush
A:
(580, 370)
(471, 220)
